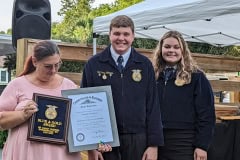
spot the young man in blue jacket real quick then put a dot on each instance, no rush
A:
(132, 80)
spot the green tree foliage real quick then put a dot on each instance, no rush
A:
(206, 48)
(10, 64)
(71, 67)
(77, 23)
(233, 51)
(105, 9)
(78, 18)
(145, 43)
(9, 31)
(3, 137)
(10, 61)
(209, 49)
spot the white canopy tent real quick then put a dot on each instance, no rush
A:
(216, 22)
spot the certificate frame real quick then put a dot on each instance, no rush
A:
(50, 123)
(88, 91)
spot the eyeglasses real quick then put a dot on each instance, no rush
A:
(56, 66)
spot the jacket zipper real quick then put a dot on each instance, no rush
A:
(122, 82)
(164, 89)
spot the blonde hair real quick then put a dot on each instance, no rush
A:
(185, 67)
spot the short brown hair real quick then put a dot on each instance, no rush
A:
(122, 21)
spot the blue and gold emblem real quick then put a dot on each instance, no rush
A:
(51, 112)
(136, 75)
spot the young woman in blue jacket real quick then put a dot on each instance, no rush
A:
(186, 101)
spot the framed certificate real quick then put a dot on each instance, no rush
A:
(50, 123)
(92, 118)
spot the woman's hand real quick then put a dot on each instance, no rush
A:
(29, 109)
(11, 119)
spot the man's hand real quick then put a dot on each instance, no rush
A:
(94, 155)
(151, 153)
(200, 154)
(102, 147)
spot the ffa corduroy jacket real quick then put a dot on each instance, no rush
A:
(134, 93)
(190, 106)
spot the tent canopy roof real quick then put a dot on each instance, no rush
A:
(215, 22)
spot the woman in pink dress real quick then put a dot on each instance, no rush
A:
(16, 107)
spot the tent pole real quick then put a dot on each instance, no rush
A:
(94, 46)
(94, 43)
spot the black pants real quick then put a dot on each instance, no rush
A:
(178, 145)
(132, 147)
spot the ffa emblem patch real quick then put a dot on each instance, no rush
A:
(179, 82)
(136, 75)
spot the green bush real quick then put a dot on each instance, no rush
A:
(3, 137)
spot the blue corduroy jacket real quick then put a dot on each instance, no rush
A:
(134, 93)
(190, 106)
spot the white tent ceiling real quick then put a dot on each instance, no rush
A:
(216, 22)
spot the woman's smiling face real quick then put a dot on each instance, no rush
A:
(171, 51)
